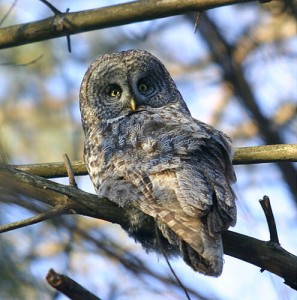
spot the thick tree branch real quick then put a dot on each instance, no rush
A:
(73, 200)
(260, 253)
(73, 23)
(265, 255)
(244, 155)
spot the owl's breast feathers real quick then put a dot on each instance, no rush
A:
(174, 168)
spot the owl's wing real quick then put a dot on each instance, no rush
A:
(206, 178)
(196, 155)
(179, 171)
(158, 195)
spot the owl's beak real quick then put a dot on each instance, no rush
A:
(132, 104)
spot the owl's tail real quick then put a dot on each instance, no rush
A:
(209, 262)
(199, 249)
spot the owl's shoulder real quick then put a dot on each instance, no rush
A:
(181, 126)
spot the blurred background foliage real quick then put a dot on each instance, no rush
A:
(40, 120)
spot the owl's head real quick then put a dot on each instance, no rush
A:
(119, 84)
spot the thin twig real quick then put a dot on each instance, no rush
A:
(68, 36)
(8, 12)
(266, 206)
(69, 169)
(68, 286)
(68, 43)
(169, 265)
(55, 212)
(33, 61)
(58, 12)
(51, 7)
(197, 21)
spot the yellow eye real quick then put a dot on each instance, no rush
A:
(115, 93)
(142, 87)
(114, 90)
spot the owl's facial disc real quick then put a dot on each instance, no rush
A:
(119, 84)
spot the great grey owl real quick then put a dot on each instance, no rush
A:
(145, 152)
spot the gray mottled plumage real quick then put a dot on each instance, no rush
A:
(145, 152)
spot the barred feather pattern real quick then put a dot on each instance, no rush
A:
(157, 160)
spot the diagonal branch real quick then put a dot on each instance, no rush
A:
(8, 12)
(65, 24)
(55, 212)
(233, 72)
(259, 253)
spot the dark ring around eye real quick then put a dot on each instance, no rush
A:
(142, 87)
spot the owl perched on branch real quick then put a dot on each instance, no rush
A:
(145, 152)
